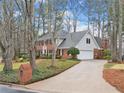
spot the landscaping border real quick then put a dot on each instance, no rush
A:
(115, 77)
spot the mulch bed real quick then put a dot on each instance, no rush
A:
(115, 78)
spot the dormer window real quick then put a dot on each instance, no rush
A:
(87, 40)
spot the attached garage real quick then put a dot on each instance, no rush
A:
(85, 54)
(84, 41)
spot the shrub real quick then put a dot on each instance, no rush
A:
(37, 54)
(23, 55)
(107, 54)
(107, 57)
(46, 56)
(49, 56)
(74, 52)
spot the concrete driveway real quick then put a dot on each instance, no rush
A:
(86, 77)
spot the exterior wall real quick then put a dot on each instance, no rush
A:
(64, 54)
(82, 45)
(87, 50)
(45, 46)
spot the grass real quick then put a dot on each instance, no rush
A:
(118, 66)
(109, 65)
(114, 66)
(43, 70)
(15, 65)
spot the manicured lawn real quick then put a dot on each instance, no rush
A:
(113, 66)
(43, 70)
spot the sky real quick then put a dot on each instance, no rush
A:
(82, 20)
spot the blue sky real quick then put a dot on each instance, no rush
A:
(82, 19)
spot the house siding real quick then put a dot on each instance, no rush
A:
(87, 50)
(83, 46)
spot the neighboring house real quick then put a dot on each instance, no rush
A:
(84, 41)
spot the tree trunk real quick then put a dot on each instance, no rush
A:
(120, 30)
(75, 25)
(32, 59)
(31, 35)
(8, 64)
(114, 33)
(8, 55)
(53, 57)
(114, 45)
(54, 50)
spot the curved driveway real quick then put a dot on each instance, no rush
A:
(86, 77)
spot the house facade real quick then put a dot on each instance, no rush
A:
(44, 43)
(84, 41)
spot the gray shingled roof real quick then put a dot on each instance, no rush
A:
(61, 35)
(98, 40)
(72, 39)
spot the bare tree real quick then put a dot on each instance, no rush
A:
(56, 10)
(6, 36)
(74, 9)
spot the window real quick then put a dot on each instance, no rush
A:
(88, 41)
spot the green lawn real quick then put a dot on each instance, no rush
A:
(114, 66)
(15, 65)
(43, 71)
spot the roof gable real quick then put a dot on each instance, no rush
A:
(72, 39)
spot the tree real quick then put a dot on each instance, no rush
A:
(56, 10)
(74, 9)
(120, 29)
(30, 20)
(6, 36)
(115, 15)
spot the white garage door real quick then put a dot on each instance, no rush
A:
(85, 55)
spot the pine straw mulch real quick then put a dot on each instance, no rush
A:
(115, 77)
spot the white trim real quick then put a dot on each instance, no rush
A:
(88, 32)
(94, 40)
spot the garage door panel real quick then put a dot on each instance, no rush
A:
(85, 55)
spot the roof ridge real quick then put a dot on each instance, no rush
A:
(80, 31)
